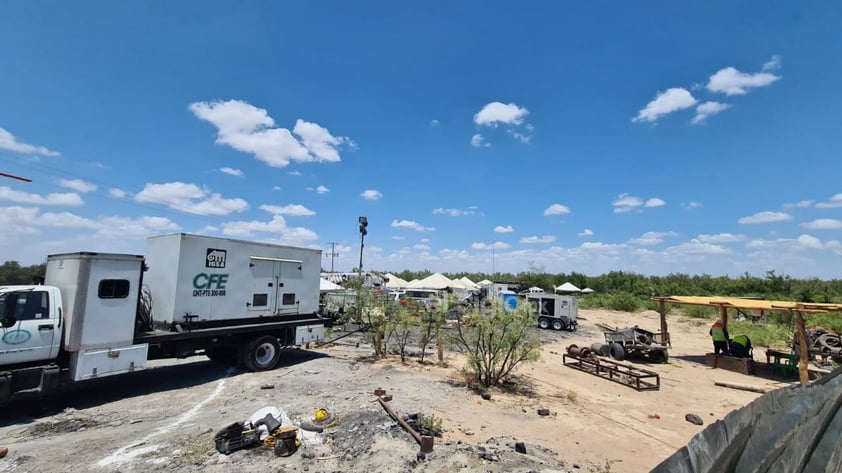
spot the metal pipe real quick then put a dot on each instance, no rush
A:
(425, 441)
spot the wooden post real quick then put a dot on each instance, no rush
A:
(662, 309)
(723, 314)
(804, 349)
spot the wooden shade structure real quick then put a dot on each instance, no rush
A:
(725, 303)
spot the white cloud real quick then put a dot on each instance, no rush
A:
(537, 239)
(823, 224)
(277, 227)
(765, 217)
(497, 245)
(134, 227)
(294, 173)
(250, 129)
(67, 199)
(709, 109)
(10, 143)
(207, 229)
(434, 123)
(398, 237)
(652, 238)
(556, 209)
(773, 64)
(504, 229)
(696, 248)
(477, 141)
(116, 193)
(627, 203)
(411, 225)
(496, 112)
(319, 190)
(801, 204)
(231, 171)
(371, 194)
(832, 203)
(731, 81)
(586, 233)
(654, 202)
(277, 188)
(810, 242)
(293, 210)
(421, 246)
(691, 205)
(454, 212)
(189, 198)
(664, 103)
(720, 238)
(77, 185)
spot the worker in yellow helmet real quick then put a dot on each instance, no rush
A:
(719, 334)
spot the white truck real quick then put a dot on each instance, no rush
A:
(101, 314)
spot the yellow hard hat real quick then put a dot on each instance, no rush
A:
(322, 415)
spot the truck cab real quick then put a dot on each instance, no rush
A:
(30, 324)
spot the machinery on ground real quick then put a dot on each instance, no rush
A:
(822, 343)
(552, 310)
(633, 341)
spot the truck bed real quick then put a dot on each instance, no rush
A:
(162, 336)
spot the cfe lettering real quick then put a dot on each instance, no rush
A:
(209, 284)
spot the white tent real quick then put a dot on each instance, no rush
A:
(485, 282)
(567, 287)
(434, 281)
(395, 282)
(587, 290)
(458, 284)
(327, 286)
(468, 283)
(413, 283)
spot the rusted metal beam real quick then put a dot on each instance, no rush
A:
(424, 441)
(803, 376)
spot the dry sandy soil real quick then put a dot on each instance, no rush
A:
(164, 419)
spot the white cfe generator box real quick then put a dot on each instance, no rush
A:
(198, 278)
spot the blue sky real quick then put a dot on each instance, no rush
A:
(656, 138)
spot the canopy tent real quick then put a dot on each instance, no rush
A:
(327, 286)
(458, 284)
(587, 290)
(434, 281)
(725, 303)
(468, 283)
(567, 287)
(395, 282)
(485, 282)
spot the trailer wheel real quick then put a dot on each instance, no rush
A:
(659, 356)
(616, 351)
(558, 324)
(261, 353)
(543, 323)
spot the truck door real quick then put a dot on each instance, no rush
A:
(264, 286)
(289, 278)
(35, 334)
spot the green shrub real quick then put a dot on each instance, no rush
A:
(700, 312)
(766, 335)
(624, 302)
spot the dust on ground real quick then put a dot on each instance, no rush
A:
(164, 419)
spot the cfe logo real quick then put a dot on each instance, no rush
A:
(209, 284)
(215, 258)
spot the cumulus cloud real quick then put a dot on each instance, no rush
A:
(831, 203)
(664, 103)
(696, 248)
(77, 185)
(652, 238)
(318, 190)
(496, 112)
(116, 193)
(477, 141)
(801, 204)
(421, 246)
(556, 209)
(231, 171)
(810, 242)
(586, 233)
(189, 198)
(371, 194)
(454, 212)
(625, 203)
(765, 217)
(293, 210)
(412, 225)
(654, 202)
(497, 245)
(823, 224)
(294, 173)
(504, 229)
(709, 109)
(276, 227)
(691, 205)
(730, 81)
(720, 238)
(250, 129)
(10, 143)
(434, 123)
(69, 199)
(537, 239)
(773, 64)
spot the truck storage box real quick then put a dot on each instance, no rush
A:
(107, 361)
(100, 292)
(309, 334)
(198, 278)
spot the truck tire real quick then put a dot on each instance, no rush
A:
(616, 351)
(261, 353)
(543, 323)
(659, 356)
(558, 324)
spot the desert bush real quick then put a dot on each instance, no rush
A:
(496, 341)
(700, 312)
(765, 335)
(624, 302)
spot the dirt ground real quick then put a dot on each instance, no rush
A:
(164, 419)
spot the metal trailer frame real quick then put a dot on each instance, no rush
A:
(621, 373)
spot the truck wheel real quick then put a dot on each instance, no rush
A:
(558, 324)
(659, 356)
(261, 353)
(543, 323)
(616, 351)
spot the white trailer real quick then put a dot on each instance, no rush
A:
(552, 310)
(102, 314)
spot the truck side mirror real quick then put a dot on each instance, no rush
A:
(7, 318)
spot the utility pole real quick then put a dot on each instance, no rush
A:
(333, 254)
(363, 232)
